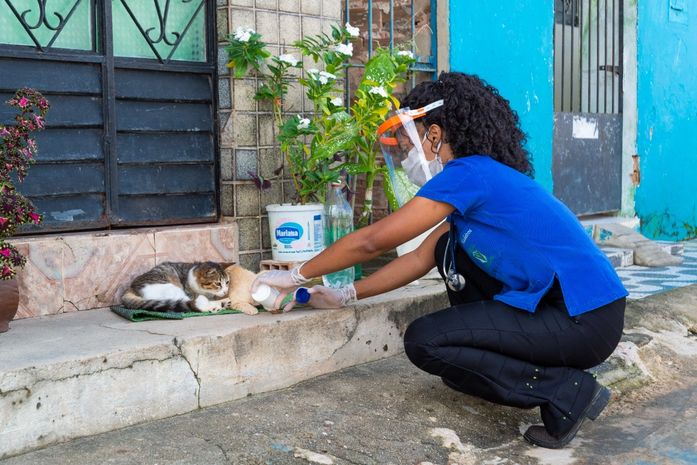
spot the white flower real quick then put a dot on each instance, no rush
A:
(379, 90)
(344, 49)
(406, 53)
(243, 34)
(353, 31)
(288, 58)
(313, 71)
(325, 77)
(304, 123)
(337, 102)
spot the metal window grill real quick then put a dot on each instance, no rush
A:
(131, 137)
(588, 56)
(64, 24)
(394, 24)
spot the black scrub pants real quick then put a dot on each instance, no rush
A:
(509, 356)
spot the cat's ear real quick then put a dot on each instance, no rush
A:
(226, 265)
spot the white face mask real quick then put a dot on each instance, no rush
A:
(416, 165)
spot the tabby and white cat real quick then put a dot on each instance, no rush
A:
(179, 287)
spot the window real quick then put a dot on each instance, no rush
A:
(394, 24)
(130, 138)
(67, 24)
(588, 56)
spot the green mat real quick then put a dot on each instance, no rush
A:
(145, 315)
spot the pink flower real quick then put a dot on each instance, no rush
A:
(39, 121)
(6, 271)
(3, 221)
(34, 217)
(23, 102)
(5, 252)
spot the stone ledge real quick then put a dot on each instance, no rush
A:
(621, 258)
(82, 271)
(78, 374)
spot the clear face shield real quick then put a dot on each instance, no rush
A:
(403, 150)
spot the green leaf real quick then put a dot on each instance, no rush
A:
(380, 70)
(389, 190)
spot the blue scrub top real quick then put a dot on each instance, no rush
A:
(520, 234)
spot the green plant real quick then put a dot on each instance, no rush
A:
(17, 152)
(374, 99)
(319, 147)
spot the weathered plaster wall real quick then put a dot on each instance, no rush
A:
(666, 199)
(509, 44)
(629, 106)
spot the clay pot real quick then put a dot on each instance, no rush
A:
(9, 301)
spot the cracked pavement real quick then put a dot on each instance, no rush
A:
(384, 412)
(389, 412)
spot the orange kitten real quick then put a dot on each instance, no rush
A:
(240, 289)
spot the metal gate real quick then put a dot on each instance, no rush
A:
(130, 137)
(587, 149)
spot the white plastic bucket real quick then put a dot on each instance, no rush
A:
(297, 231)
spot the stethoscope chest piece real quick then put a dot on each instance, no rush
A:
(454, 280)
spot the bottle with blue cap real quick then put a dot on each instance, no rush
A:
(301, 296)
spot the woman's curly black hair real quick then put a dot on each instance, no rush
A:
(476, 120)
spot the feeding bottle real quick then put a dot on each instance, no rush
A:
(338, 223)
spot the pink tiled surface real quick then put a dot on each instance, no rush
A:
(96, 270)
(214, 244)
(86, 271)
(41, 281)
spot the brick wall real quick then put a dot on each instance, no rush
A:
(246, 127)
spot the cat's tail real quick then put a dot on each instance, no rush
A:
(132, 300)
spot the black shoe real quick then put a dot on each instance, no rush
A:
(539, 436)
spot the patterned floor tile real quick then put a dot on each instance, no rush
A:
(642, 281)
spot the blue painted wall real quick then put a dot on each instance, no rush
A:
(666, 199)
(510, 44)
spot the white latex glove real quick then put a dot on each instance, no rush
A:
(325, 297)
(284, 281)
(280, 279)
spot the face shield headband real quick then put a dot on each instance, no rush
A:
(403, 148)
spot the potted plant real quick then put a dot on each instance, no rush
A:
(17, 152)
(333, 140)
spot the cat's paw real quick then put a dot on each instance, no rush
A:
(246, 308)
(217, 305)
(202, 304)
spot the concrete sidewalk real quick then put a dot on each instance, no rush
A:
(84, 373)
(93, 372)
(388, 412)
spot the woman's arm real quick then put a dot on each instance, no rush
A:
(415, 217)
(404, 269)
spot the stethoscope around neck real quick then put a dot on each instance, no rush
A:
(454, 280)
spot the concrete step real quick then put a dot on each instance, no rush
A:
(619, 257)
(673, 248)
(82, 373)
(625, 257)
